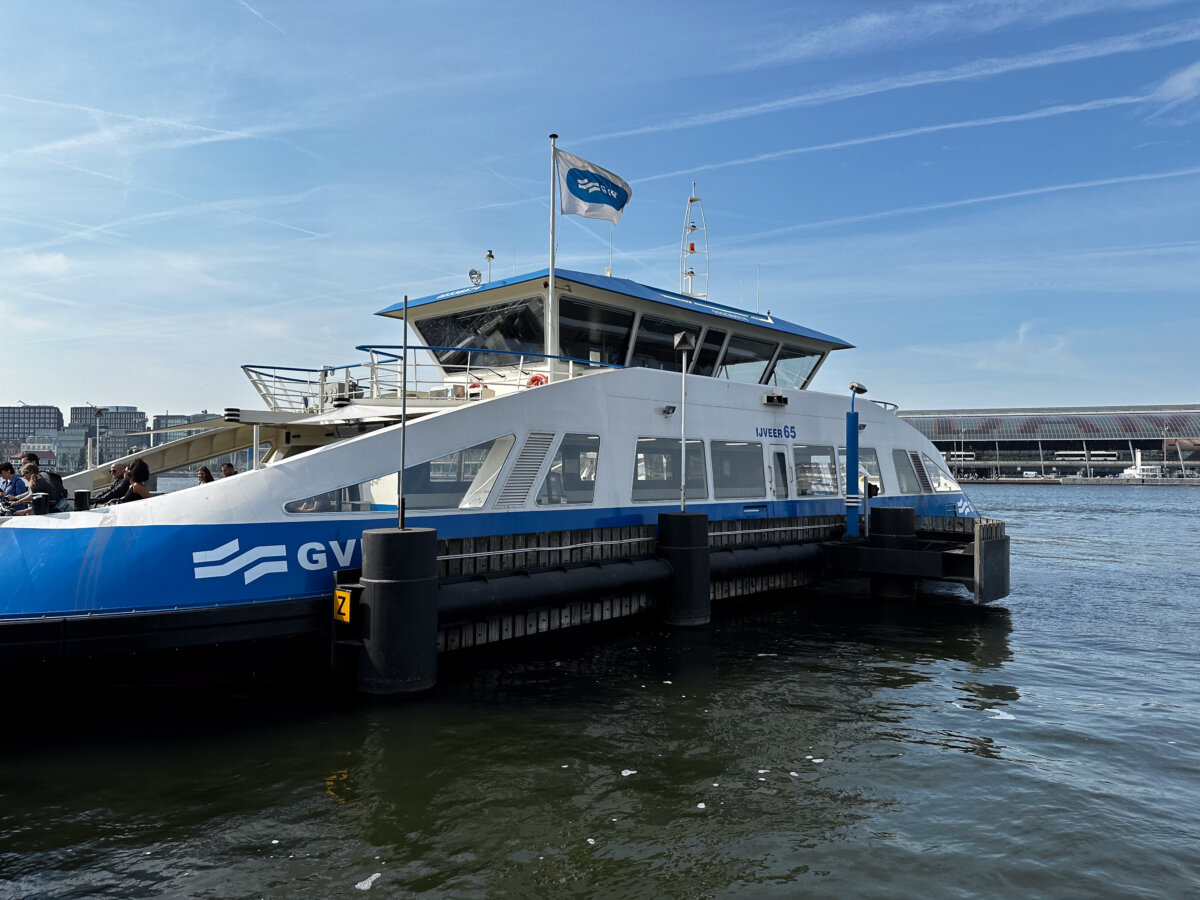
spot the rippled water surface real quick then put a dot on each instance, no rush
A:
(819, 745)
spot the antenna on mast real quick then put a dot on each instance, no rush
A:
(693, 249)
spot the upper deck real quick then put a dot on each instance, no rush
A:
(608, 322)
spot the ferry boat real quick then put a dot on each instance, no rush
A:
(517, 421)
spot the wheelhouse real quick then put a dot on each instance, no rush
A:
(600, 322)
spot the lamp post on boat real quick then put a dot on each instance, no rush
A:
(853, 501)
(684, 341)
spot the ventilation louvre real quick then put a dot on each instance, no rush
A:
(525, 469)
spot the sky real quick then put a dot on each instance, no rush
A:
(996, 201)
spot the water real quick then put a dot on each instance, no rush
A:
(823, 747)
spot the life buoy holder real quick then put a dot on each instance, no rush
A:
(537, 380)
(476, 386)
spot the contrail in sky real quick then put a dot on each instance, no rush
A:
(1164, 36)
(1044, 113)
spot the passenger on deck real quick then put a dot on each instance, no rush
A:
(61, 504)
(204, 476)
(137, 475)
(37, 484)
(11, 484)
(227, 469)
(114, 491)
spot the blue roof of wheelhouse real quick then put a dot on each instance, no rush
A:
(641, 292)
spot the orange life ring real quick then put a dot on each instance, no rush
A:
(537, 380)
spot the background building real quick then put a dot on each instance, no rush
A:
(1089, 440)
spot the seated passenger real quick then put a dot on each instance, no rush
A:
(114, 491)
(11, 484)
(227, 470)
(137, 475)
(204, 475)
(61, 503)
(37, 485)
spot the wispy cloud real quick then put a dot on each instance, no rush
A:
(1028, 352)
(1164, 36)
(247, 6)
(1179, 88)
(927, 22)
(969, 201)
(1044, 113)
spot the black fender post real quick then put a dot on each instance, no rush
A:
(683, 542)
(399, 599)
(893, 528)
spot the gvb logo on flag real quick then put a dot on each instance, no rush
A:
(585, 189)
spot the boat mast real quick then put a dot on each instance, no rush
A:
(693, 249)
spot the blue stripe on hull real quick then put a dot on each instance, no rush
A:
(54, 572)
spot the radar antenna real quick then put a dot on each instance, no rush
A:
(693, 250)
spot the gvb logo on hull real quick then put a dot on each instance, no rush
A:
(268, 559)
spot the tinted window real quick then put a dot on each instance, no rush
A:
(572, 474)
(906, 478)
(459, 480)
(593, 332)
(746, 359)
(794, 366)
(942, 480)
(655, 346)
(517, 326)
(738, 469)
(656, 470)
(706, 356)
(868, 468)
(816, 473)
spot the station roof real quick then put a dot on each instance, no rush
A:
(1072, 423)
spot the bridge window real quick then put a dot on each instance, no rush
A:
(459, 480)
(655, 345)
(868, 469)
(816, 472)
(656, 470)
(517, 326)
(572, 474)
(710, 349)
(906, 476)
(794, 366)
(943, 482)
(738, 470)
(746, 359)
(593, 332)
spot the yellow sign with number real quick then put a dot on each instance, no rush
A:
(341, 606)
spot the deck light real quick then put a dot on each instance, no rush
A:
(667, 411)
(475, 276)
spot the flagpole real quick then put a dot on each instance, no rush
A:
(549, 342)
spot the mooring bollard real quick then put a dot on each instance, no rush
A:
(83, 499)
(893, 528)
(683, 542)
(400, 593)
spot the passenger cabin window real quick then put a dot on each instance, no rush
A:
(746, 359)
(459, 480)
(655, 344)
(943, 482)
(572, 474)
(710, 349)
(593, 332)
(906, 476)
(738, 470)
(794, 367)
(816, 472)
(517, 326)
(868, 469)
(656, 470)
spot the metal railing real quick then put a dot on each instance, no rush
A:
(483, 373)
